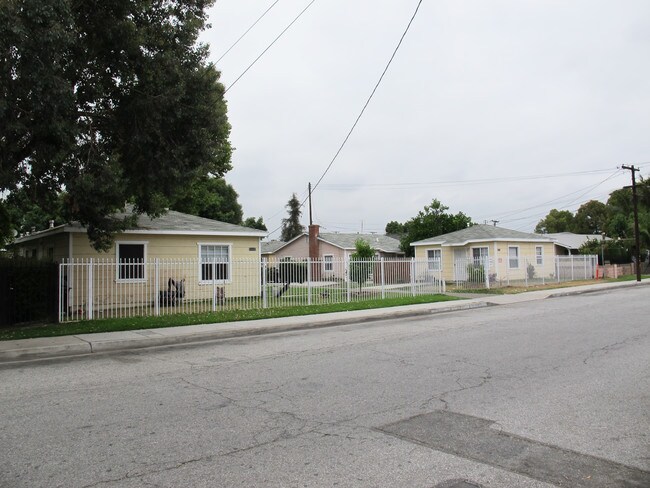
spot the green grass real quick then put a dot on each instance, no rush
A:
(514, 289)
(173, 320)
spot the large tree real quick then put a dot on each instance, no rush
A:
(433, 221)
(255, 223)
(556, 221)
(211, 198)
(111, 101)
(591, 218)
(291, 226)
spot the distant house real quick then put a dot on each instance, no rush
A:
(201, 251)
(569, 243)
(329, 245)
(509, 253)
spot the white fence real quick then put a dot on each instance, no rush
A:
(92, 289)
(484, 273)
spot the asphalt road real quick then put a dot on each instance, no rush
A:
(547, 393)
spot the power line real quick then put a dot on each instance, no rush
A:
(409, 185)
(364, 106)
(247, 31)
(587, 188)
(368, 100)
(269, 46)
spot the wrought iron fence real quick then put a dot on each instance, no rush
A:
(98, 288)
(485, 273)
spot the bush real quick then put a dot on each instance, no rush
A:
(475, 273)
(530, 271)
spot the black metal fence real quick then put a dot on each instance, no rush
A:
(28, 291)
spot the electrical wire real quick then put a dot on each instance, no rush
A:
(364, 106)
(408, 26)
(269, 46)
(383, 186)
(247, 31)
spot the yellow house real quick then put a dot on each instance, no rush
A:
(505, 254)
(177, 252)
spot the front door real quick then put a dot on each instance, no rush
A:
(460, 265)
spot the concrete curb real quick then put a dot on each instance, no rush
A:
(85, 344)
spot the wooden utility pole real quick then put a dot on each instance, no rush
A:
(637, 240)
(311, 222)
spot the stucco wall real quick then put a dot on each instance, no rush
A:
(498, 254)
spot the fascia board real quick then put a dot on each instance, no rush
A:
(195, 233)
(500, 239)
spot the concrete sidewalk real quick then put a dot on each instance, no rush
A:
(83, 344)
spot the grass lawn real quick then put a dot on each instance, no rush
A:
(509, 290)
(172, 320)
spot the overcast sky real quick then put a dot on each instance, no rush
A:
(499, 109)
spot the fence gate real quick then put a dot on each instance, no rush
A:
(28, 291)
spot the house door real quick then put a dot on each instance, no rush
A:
(460, 265)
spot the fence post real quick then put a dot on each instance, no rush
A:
(265, 302)
(308, 281)
(347, 278)
(413, 276)
(61, 294)
(442, 282)
(557, 268)
(156, 288)
(383, 280)
(89, 291)
(214, 285)
(486, 271)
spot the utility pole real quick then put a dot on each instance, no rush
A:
(311, 222)
(494, 222)
(637, 240)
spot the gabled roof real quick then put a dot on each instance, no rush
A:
(347, 241)
(172, 223)
(269, 247)
(481, 233)
(343, 241)
(571, 241)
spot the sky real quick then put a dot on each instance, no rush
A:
(500, 109)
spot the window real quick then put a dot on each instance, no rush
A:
(434, 256)
(539, 255)
(214, 262)
(130, 259)
(328, 260)
(513, 257)
(479, 254)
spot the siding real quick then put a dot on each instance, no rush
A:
(498, 253)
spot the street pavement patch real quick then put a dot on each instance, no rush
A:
(472, 438)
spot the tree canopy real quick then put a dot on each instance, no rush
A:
(556, 221)
(107, 102)
(615, 218)
(211, 198)
(291, 226)
(433, 221)
(255, 223)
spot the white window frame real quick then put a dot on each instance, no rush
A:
(328, 263)
(228, 263)
(481, 256)
(118, 267)
(510, 258)
(539, 255)
(434, 263)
